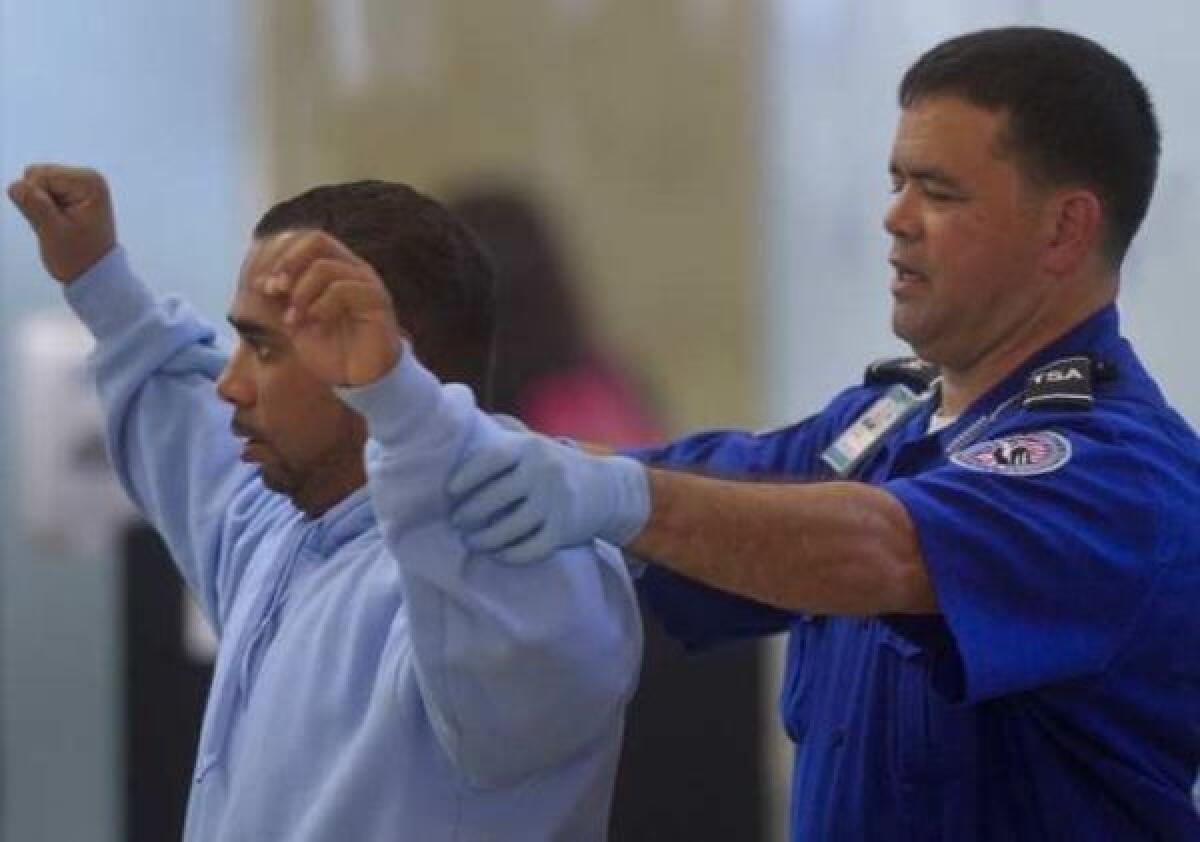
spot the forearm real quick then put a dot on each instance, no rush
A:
(520, 666)
(822, 548)
(166, 432)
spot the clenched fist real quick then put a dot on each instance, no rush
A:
(71, 213)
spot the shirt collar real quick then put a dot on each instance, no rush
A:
(347, 519)
(1098, 334)
(1094, 335)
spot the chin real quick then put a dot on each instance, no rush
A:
(903, 328)
(277, 479)
(915, 328)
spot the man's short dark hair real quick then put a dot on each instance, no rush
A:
(438, 275)
(1077, 115)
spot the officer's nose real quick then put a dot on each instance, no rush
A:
(902, 219)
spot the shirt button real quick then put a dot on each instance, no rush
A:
(838, 739)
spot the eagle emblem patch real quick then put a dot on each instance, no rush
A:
(1018, 455)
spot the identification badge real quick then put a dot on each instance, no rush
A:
(863, 436)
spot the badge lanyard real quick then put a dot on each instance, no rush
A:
(860, 441)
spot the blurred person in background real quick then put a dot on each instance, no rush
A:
(553, 373)
(550, 371)
(375, 680)
(989, 568)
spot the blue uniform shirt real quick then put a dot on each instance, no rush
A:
(1057, 695)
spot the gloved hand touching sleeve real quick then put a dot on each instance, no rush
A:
(520, 497)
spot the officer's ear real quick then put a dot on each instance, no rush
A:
(1074, 226)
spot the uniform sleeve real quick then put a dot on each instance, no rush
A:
(1040, 574)
(167, 433)
(700, 616)
(521, 667)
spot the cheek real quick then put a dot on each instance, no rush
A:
(286, 401)
(304, 413)
(970, 247)
(315, 419)
(958, 234)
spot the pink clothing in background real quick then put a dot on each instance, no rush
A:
(588, 403)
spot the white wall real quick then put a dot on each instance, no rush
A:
(831, 72)
(156, 96)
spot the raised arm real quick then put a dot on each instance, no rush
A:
(825, 548)
(520, 668)
(155, 365)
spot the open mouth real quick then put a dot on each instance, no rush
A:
(252, 446)
(906, 276)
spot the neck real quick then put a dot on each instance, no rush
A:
(332, 483)
(963, 384)
(331, 495)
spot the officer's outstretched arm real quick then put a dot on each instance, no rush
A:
(824, 548)
(837, 547)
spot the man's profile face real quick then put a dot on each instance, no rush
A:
(307, 443)
(964, 224)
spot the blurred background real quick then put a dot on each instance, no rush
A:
(685, 199)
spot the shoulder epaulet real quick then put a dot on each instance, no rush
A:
(913, 372)
(1068, 382)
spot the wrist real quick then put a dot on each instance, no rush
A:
(630, 504)
(108, 298)
(69, 269)
(379, 361)
(398, 403)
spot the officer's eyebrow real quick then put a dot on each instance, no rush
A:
(926, 173)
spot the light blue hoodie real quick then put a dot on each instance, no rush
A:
(375, 680)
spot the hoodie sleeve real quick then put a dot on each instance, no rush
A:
(521, 667)
(155, 364)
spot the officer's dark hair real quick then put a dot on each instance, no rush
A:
(1077, 115)
(439, 277)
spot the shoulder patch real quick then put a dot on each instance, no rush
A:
(1067, 383)
(1018, 455)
